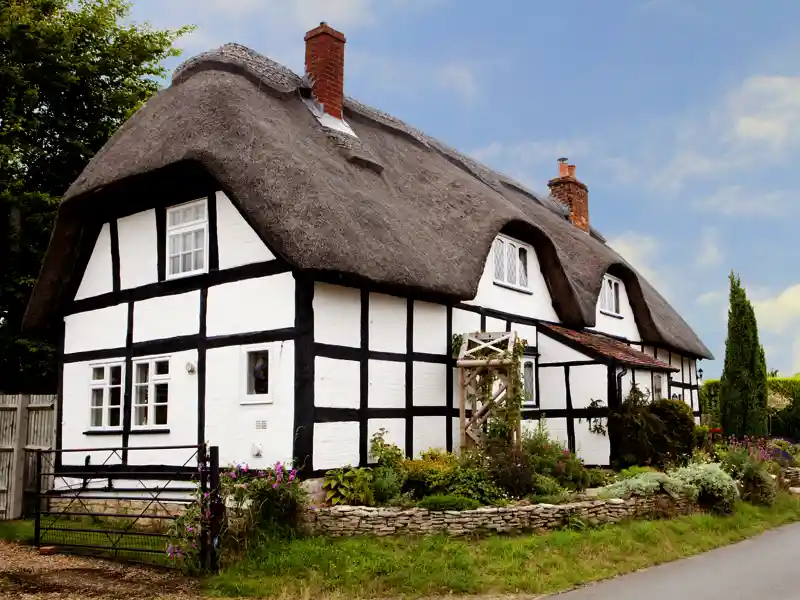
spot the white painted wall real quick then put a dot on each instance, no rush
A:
(98, 277)
(429, 433)
(259, 304)
(336, 383)
(395, 432)
(593, 448)
(138, 249)
(387, 384)
(238, 243)
(337, 315)
(75, 416)
(553, 351)
(587, 383)
(552, 388)
(336, 445)
(166, 317)
(525, 332)
(465, 322)
(96, 329)
(387, 323)
(430, 384)
(233, 424)
(430, 328)
(495, 325)
(538, 304)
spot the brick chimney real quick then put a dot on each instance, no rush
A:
(573, 194)
(325, 67)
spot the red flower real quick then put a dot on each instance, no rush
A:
(566, 452)
(716, 430)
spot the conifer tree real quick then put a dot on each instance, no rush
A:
(743, 386)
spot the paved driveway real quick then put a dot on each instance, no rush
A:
(762, 568)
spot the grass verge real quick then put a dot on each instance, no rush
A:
(17, 531)
(534, 564)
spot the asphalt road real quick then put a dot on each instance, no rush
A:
(763, 568)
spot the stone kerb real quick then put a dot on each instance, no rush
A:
(357, 520)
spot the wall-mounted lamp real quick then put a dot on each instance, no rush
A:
(190, 368)
(699, 374)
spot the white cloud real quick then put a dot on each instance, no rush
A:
(709, 253)
(736, 200)
(781, 312)
(765, 111)
(641, 251)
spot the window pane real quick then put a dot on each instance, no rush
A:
(199, 239)
(511, 264)
(200, 211)
(97, 417)
(162, 367)
(616, 297)
(174, 245)
(113, 417)
(657, 393)
(141, 394)
(162, 393)
(161, 414)
(98, 373)
(114, 396)
(523, 267)
(116, 375)
(258, 372)
(140, 415)
(174, 218)
(97, 397)
(186, 242)
(198, 260)
(527, 376)
(499, 260)
(142, 370)
(186, 263)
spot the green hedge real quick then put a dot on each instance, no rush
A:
(783, 422)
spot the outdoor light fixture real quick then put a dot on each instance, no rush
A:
(190, 368)
(699, 374)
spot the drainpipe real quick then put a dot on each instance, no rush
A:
(620, 375)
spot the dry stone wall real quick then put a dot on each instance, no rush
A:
(114, 506)
(792, 475)
(356, 520)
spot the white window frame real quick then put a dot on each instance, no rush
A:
(532, 361)
(152, 380)
(610, 285)
(255, 399)
(658, 389)
(503, 280)
(105, 385)
(190, 227)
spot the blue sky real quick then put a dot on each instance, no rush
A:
(683, 118)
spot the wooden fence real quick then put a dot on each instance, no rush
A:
(27, 422)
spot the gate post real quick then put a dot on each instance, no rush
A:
(37, 524)
(17, 487)
(216, 509)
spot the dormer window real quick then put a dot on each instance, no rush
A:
(511, 260)
(609, 295)
(187, 239)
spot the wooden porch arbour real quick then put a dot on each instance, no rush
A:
(485, 361)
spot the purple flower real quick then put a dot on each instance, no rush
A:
(189, 529)
(274, 485)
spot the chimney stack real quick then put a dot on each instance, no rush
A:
(573, 194)
(325, 67)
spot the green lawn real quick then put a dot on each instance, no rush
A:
(411, 567)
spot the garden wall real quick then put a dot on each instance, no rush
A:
(114, 506)
(356, 520)
(792, 475)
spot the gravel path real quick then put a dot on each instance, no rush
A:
(26, 574)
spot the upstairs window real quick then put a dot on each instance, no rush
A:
(150, 393)
(609, 295)
(510, 259)
(106, 397)
(187, 239)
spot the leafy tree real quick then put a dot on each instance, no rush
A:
(743, 386)
(70, 74)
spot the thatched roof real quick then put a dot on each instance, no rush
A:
(393, 207)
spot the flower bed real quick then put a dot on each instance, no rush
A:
(339, 521)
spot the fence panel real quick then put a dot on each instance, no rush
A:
(27, 422)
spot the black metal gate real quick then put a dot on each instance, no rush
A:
(124, 510)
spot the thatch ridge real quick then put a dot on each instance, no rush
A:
(421, 216)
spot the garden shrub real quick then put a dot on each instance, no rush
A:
(550, 457)
(757, 485)
(733, 460)
(701, 437)
(634, 471)
(635, 430)
(448, 502)
(544, 485)
(348, 486)
(716, 490)
(677, 440)
(509, 467)
(649, 483)
(387, 484)
(599, 477)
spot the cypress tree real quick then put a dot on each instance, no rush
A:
(743, 386)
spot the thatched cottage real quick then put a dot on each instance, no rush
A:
(257, 261)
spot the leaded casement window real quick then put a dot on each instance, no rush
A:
(510, 259)
(529, 381)
(610, 295)
(187, 239)
(150, 392)
(257, 374)
(106, 396)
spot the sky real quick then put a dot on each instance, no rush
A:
(682, 117)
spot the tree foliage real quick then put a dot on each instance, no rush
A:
(71, 72)
(743, 386)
